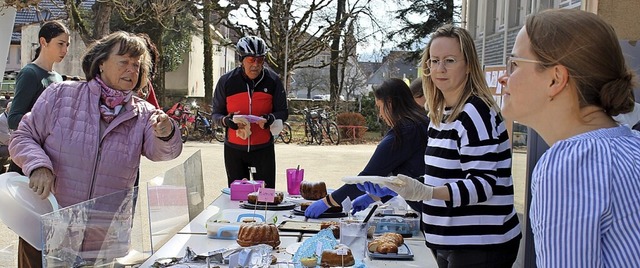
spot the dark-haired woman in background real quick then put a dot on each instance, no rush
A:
(34, 77)
(53, 38)
(401, 150)
(147, 93)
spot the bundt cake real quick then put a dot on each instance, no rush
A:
(330, 257)
(313, 190)
(251, 234)
(252, 198)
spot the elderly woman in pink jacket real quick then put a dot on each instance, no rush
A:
(84, 140)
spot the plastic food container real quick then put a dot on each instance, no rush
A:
(240, 189)
(22, 209)
(407, 227)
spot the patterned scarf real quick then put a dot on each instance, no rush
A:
(111, 101)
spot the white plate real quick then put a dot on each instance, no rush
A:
(293, 248)
(372, 179)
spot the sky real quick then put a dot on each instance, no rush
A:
(377, 45)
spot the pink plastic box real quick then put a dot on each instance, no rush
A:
(241, 188)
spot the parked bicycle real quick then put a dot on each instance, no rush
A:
(329, 127)
(312, 126)
(202, 126)
(285, 134)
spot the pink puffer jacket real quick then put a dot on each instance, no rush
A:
(62, 133)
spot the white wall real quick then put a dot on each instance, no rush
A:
(188, 79)
(14, 59)
(7, 17)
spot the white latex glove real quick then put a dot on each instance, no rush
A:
(409, 188)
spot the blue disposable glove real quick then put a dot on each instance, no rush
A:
(315, 209)
(375, 189)
(361, 203)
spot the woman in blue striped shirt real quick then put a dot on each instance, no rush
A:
(566, 78)
(468, 215)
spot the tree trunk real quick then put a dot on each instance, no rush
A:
(335, 54)
(156, 38)
(208, 52)
(102, 19)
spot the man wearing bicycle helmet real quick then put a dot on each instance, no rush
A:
(246, 101)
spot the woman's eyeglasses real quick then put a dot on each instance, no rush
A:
(448, 63)
(252, 60)
(511, 63)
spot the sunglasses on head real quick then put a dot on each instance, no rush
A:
(251, 59)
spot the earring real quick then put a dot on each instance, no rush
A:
(100, 70)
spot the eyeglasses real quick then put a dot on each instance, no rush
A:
(448, 63)
(512, 60)
(253, 60)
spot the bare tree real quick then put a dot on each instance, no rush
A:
(295, 32)
(310, 79)
(347, 17)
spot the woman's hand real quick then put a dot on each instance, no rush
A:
(162, 126)
(41, 182)
(410, 189)
(315, 209)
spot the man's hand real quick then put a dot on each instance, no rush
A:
(228, 122)
(315, 209)
(268, 120)
(162, 125)
(41, 182)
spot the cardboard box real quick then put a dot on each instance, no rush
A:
(241, 188)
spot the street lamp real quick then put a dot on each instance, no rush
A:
(286, 56)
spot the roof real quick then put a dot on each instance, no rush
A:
(47, 10)
(395, 65)
(368, 68)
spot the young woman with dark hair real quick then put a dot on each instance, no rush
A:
(401, 150)
(53, 38)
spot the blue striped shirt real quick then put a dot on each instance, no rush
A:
(585, 210)
(471, 156)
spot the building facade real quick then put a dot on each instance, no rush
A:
(494, 25)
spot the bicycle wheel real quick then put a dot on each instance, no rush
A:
(308, 134)
(197, 127)
(317, 132)
(285, 134)
(218, 133)
(184, 133)
(333, 132)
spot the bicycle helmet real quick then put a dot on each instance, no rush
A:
(251, 46)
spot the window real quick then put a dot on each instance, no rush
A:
(523, 10)
(499, 26)
(568, 3)
(481, 18)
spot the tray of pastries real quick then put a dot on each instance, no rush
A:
(389, 246)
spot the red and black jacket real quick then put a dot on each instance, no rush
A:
(236, 93)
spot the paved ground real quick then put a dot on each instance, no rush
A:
(321, 163)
